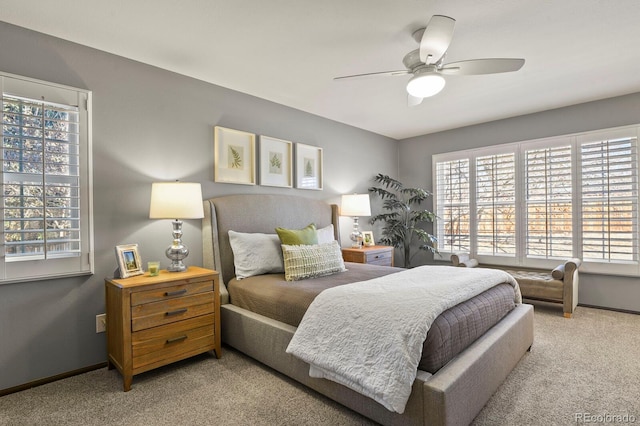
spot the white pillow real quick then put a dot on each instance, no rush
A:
(312, 261)
(325, 235)
(256, 254)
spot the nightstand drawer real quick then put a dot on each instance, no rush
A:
(165, 293)
(168, 311)
(381, 257)
(160, 343)
(172, 352)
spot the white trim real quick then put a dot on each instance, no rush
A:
(83, 263)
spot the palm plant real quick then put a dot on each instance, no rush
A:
(402, 222)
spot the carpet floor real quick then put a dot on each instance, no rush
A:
(579, 370)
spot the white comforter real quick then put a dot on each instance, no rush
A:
(368, 335)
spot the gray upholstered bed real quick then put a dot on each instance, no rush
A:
(453, 395)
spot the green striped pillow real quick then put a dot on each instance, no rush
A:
(311, 261)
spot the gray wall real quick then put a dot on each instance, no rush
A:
(148, 125)
(415, 168)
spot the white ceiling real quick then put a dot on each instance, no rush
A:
(288, 51)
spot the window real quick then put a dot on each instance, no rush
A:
(548, 181)
(609, 200)
(45, 180)
(453, 193)
(537, 202)
(495, 205)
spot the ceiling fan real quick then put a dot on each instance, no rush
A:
(427, 66)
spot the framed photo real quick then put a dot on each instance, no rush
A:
(276, 159)
(129, 262)
(367, 238)
(308, 167)
(235, 156)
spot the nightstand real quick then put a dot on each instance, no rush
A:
(154, 321)
(373, 255)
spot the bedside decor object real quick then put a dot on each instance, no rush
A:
(154, 268)
(276, 162)
(129, 263)
(403, 221)
(176, 200)
(234, 156)
(355, 205)
(308, 167)
(367, 239)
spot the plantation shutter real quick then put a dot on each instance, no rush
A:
(610, 199)
(453, 210)
(40, 179)
(45, 181)
(549, 202)
(495, 203)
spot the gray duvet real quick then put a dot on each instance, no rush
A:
(455, 329)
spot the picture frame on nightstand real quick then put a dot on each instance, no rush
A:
(367, 238)
(129, 263)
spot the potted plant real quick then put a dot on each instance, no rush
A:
(403, 219)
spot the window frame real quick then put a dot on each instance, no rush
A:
(19, 270)
(623, 268)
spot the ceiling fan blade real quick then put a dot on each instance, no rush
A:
(482, 66)
(436, 38)
(413, 100)
(373, 74)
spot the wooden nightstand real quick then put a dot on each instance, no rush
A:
(154, 321)
(373, 255)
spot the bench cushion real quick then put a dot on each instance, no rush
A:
(538, 284)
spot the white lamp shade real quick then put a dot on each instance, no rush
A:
(425, 85)
(176, 200)
(355, 205)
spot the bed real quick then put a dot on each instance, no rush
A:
(449, 394)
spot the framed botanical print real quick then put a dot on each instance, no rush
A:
(276, 162)
(128, 258)
(235, 156)
(308, 167)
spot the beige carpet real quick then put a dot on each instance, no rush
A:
(587, 366)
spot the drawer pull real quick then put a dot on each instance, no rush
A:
(176, 293)
(176, 312)
(176, 339)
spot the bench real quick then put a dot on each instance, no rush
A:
(558, 285)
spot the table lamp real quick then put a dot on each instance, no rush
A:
(355, 205)
(176, 200)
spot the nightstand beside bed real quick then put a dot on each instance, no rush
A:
(155, 321)
(373, 255)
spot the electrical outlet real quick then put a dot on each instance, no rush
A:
(101, 323)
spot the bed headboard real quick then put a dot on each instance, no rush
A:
(256, 213)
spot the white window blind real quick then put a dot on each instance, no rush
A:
(549, 202)
(610, 199)
(453, 208)
(40, 179)
(495, 204)
(45, 177)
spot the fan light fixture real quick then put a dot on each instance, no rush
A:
(424, 85)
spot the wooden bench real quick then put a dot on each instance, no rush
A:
(558, 285)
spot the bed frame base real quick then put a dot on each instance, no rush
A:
(452, 396)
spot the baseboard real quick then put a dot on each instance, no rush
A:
(605, 308)
(46, 380)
